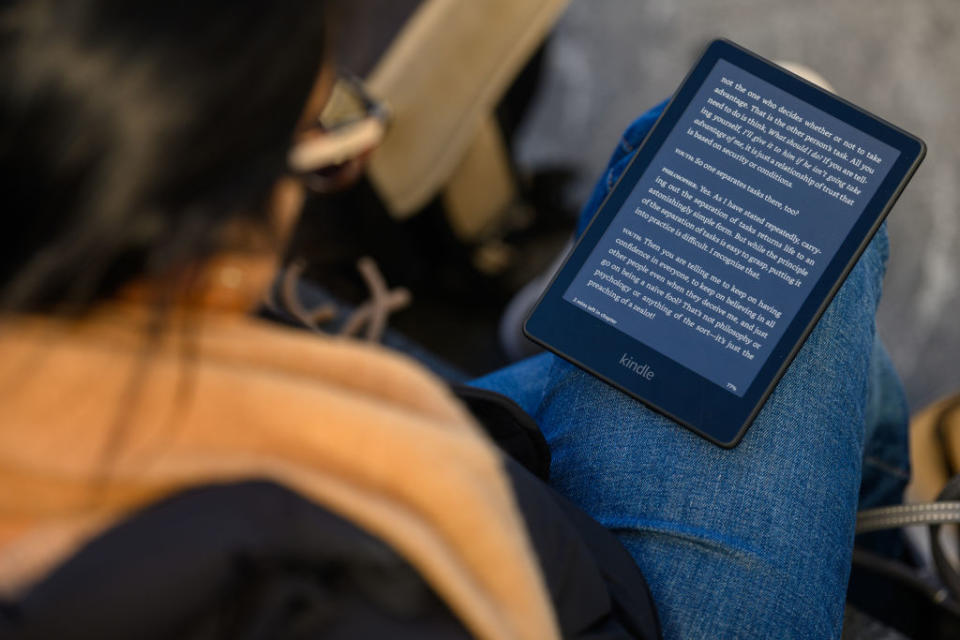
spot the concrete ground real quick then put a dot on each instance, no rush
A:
(611, 59)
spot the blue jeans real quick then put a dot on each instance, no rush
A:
(753, 542)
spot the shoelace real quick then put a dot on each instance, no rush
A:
(372, 314)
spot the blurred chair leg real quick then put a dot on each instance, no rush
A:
(482, 187)
(442, 77)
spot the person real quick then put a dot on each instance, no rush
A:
(172, 466)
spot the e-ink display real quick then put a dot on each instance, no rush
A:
(731, 226)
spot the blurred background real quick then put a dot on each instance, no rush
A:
(607, 61)
(459, 143)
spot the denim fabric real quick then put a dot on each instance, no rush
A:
(753, 542)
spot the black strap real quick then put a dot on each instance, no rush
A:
(509, 426)
(894, 594)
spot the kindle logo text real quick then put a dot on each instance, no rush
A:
(642, 370)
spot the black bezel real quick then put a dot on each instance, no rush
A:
(676, 391)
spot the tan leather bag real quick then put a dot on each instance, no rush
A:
(934, 449)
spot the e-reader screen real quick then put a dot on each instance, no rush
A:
(720, 247)
(730, 226)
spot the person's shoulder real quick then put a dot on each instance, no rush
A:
(363, 369)
(238, 558)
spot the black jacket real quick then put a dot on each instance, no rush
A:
(256, 560)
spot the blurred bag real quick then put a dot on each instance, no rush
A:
(934, 449)
(919, 601)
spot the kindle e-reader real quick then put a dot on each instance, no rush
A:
(713, 257)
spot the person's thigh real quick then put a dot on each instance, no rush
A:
(749, 542)
(524, 382)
